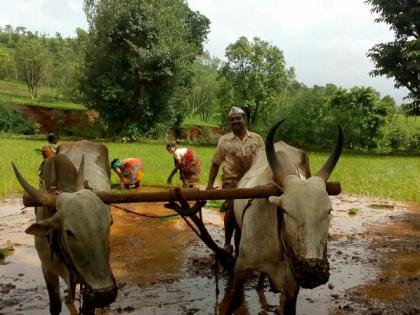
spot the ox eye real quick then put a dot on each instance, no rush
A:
(329, 211)
(69, 233)
(282, 210)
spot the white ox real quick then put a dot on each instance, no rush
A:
(284, 237)
(72, 235)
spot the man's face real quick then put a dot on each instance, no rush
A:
(237, 122)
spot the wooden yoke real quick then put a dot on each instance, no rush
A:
(189, 194)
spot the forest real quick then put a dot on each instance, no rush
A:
(143, 78)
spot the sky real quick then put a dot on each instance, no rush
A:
(326, 41)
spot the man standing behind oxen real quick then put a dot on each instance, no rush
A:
(235, 152)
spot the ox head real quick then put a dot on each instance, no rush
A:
(79, 229)
(304, 213)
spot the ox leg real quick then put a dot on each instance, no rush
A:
(237, 240)
(288, 300)
(71, 295)
(237, 294)
(53, 287)
(261, 281)
(87, 309)
(229, 224)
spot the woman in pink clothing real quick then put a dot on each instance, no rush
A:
(188, 164)
(130, 171)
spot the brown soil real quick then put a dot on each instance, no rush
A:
(163, 268)
(193, 133)
(59, 121)
(54, 120)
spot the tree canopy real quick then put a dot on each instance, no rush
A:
(31, 62)
(138, 62)
(362, 114)
(253, 77)
(202, 99)
(7, 65)
(400, 59)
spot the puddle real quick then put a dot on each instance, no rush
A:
(163, 268)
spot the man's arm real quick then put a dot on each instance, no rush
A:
(214, 169)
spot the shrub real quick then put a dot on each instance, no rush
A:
(414, 142)
(397, 139)
(15, 121)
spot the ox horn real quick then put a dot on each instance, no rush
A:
(328, 167)
(81, 173)
(38, 196)
(280, 169)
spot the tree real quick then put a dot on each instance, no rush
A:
(400, 59)
(308, 118)
(362, 115)
(137, 67)
(202, 99)
(31, 61)
(253, 77)
(7, 65)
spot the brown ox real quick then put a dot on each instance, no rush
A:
(284, 237)
(72, 238)
(96, 171)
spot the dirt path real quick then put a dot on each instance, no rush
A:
(162, 268)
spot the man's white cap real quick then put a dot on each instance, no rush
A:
(236, 110)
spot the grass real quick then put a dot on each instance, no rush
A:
(15, 93)
(409, 124)
(394, 177)
(353, 211)
(193, 121)
(6, 251)
(215, 203)
(381, 206)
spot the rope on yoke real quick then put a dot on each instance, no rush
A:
(181, 206)
(151, 216)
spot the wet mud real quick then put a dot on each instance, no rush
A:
(163, 268)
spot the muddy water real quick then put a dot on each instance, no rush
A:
(163, 268)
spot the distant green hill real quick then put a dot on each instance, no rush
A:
(15, 93)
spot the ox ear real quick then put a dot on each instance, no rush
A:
(44, 227)
(278, 201)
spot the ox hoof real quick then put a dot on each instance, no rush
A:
(228, 249)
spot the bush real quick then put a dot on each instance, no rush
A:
(15, 121)
(397, 139)
(131, 134)
(414, 142)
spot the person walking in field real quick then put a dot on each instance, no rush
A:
(130, 171)
(188, 164)
(50, 149)
(235, 152)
